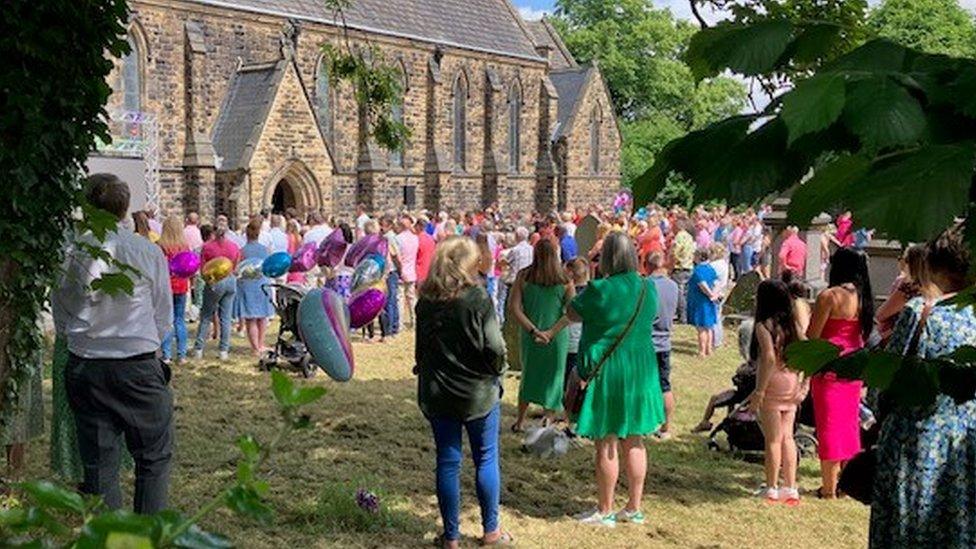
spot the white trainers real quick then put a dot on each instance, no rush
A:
(633, 517)
(771, 495)
(224, 356)
(790, 496)
(198, 354)
(596, 518)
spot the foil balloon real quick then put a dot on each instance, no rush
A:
(250, 268)
(369, 244)
(331, 250)
(217, 269)
(367, 273)
(184, 264)
(276, 264)
(323, 323)
(364, 306)
(304, 258)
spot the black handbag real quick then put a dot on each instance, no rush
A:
(857, 477)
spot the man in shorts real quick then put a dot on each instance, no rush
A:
(667, 307)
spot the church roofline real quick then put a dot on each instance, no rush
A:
(368, 29)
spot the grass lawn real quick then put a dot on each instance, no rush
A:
(369, 433)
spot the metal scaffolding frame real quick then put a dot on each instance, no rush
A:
(136, 134)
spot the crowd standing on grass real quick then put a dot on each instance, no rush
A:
(593, 325)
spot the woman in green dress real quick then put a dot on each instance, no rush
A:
(538, 299)
(623, 400)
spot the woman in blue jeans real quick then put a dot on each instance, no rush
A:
(218, 297)
(460, 356)
(173, 243)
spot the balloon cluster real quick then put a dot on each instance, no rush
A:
(324, 318)
(622, 201)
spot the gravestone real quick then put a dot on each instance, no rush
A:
(586, 234)
(742, 299)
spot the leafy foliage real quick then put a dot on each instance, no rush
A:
(58, 515)
(933, 26)
(886, 131)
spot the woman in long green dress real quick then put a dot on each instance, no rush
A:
(539, 297)
(623, 400)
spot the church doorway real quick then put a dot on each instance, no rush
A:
(283, 197)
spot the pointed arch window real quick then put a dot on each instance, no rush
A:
(596, 121)
(460, 123)
(324, 99)
(131, 77)
(515, 129)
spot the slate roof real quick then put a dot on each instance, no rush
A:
(545, 34)
(249, 98)
(570, 85)
(483, 25)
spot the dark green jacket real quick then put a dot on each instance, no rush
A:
(460, 356)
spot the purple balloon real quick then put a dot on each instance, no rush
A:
(369, 244)
(331, 250)
(184, 264)
(365, 306)
(304, 258)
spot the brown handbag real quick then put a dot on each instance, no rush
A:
(575, 392)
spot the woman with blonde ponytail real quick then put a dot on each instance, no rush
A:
(173, 242)
(460, 357)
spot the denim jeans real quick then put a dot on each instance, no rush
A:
(217, 298)
(483, 436)
(501, 301)
(390, 318)
(178, 330)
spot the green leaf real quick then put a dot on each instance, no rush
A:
(249, 447)
(814, 105)
(283, 388)
(915, 196)
(113, 284)
(964, 356)
(883, 114)
(197, 538)
(914, 384)
(811, 356)
(815, 42)
(245, 501)
(123, 540)
(878, 55)
(308, 395)
(100, 222)
(51, 496)
(959, 383)
(745, 49)
(827, 188)
(95, 533)
(881, 368)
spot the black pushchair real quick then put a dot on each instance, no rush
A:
(741, 427)
(289, 350)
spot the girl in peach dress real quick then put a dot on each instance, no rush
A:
(779, 390)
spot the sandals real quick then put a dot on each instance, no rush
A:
(824, 495)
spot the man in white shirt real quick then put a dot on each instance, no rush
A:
(318, 231)
(277, 238)
(116, 384)
(362, 218)
(224, 223)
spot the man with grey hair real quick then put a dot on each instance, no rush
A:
(116, 384)
(515, 258)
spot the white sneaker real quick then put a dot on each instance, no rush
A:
(596, 518)
(771, 495)
(633, 517)
(198, 354)
(790, 496)
(223, 356)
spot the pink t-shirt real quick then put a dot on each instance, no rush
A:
(408, 243)
(220, 248)
(793, 255)
(191, 233)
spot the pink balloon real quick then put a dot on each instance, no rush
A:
(365, 306)
(304, 258)
(331, 250)
(184, 264)
(369, 244)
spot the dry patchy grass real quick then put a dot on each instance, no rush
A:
(369, 433)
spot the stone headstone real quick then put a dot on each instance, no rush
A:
(586, 234)
(742, 298)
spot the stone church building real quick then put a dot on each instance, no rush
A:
(247, 118)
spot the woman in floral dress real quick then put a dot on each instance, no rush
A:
(925, 487)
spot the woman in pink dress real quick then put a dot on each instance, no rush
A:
(844, 316)
(845, 230)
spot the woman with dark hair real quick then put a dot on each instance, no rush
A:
(779, 390)
(844, 316)
(539, 296)
(926, 456)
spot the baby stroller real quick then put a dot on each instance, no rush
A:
(289, 351)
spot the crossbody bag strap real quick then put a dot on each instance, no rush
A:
(623, 334)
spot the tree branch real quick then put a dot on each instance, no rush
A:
(698, 16)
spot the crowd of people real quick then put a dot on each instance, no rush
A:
(593, 336)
